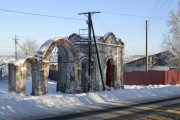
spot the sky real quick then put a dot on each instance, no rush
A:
(125, 18)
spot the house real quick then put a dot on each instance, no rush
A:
(157, 61)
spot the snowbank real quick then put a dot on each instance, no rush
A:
(19, 106)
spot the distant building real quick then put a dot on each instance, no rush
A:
(156, 62)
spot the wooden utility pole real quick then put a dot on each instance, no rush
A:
(90, 27)
(15, 41)
(146, 45)
(98, 57)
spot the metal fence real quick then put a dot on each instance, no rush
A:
(151, 77)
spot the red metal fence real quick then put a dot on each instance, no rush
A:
(151, 77)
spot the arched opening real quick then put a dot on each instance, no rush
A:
(28, 79)
(63, 60)
(84, 76)
(65, 68)
(31, 83)
(66, 54)
(110, 73)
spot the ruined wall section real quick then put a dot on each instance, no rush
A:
(109, 48)
(67, 60)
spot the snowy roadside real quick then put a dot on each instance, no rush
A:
(18, 106)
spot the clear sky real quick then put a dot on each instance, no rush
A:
(125, 18)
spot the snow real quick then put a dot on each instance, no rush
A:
(19, 106)
(106, 35)
(20, 61)
(81, 54)
(45, 46)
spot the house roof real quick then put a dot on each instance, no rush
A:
(160, 58)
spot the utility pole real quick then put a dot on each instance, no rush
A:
(146, 45)
(15, 41)
(90, 27)
(25, 52)
(98, 57)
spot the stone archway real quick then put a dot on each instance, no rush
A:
(65, 59)
(37, 82)
(17, 75)
(44, 53)
(84, 83)
(40, 69)
(110, 73)
(65, 68)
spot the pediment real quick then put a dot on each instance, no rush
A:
(110, 38)
(75, 38)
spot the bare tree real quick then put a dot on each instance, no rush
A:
(30, 47)
(171, 40)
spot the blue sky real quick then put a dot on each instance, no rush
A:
(125, 18)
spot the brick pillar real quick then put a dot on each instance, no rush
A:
(45, 73)
(23, 80)
(18, 79)
(36, 79)
(11, 77)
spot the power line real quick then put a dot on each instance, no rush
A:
(131, 15)
(165, 9)
(161, 8)
(103, 23)
(91, 28)
(100, 27)
(41, 15)
(155, 7)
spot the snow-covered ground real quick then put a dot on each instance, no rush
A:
(19, 106)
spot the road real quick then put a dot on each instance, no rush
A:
(166, 109)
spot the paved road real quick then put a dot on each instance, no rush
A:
(166, 109)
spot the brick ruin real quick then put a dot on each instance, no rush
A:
(72, 66)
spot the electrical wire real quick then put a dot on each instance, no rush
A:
(165, 9)
(41, 15)
(99, 27)
(155, 7)
(131, 15)
(161, 10)
(103, 23)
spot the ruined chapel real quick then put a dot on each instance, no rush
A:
(72, 65)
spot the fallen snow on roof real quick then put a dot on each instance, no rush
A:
(44, 47)
(106, 35)
(164, 68)
(81, 54)
(20, 61)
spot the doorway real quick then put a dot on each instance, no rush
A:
(110, 68)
